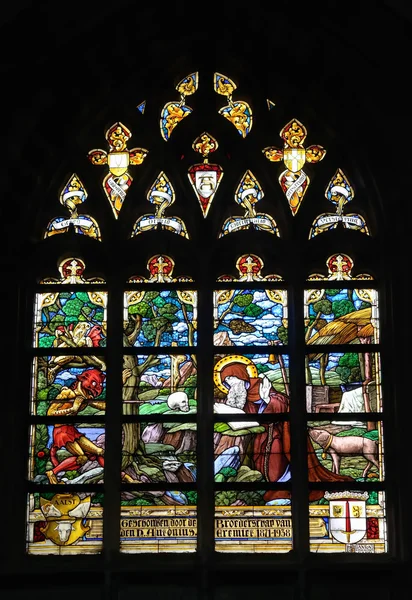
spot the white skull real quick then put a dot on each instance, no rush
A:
(178, 401)
(171, 464)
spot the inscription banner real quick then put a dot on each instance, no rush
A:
(261, 528)
(177, 527)
(247, 528)
(158, 529)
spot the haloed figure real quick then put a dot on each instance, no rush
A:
(271, 449)
(256, 395)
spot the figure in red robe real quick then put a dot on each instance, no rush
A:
(271, 448)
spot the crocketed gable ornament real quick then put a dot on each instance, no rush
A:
(249, 267)
(205, 177)
(339, 269)
(118, 181)
(160, 267)
(339, 192)
(248, 193)
(162, 195)
(72, 195)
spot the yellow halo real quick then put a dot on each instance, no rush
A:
(231, 358)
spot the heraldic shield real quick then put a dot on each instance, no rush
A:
(205, 177)
(65, 518)
(347, 516)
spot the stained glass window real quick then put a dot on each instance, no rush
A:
(68, 403)
(159, 431)
(237, 381)
(344, 399)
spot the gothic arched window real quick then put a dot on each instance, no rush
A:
(207, 366)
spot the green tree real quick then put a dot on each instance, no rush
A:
(342, 307)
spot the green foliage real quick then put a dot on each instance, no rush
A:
(41, 409)
(333, 292)
(98, 499)
(159, 301)
(168, 309)
(252, 498)
(349, 368)
(150, 296)
(71, 474)
(83, 297)
(72, 308)
(242, 299)
(283, 334)
(141, 308)
(170, 317)
(190, 386)
(85, 313)
(324, 307)
(53, 391)
(249, 497)
(41, 438)
(42, 394)
(149, 331)
(344, 373)
(155, 324)
(45, 496)
(350, 472)
(225, 498)
(192, 497)
(55, 322)
(364, 304)
(162, 323)
(39, 465)
(46, 341)
(358, 431)
(41, 380)
(349, 359)
(253, 310)
(355, 375)
(98, 315)
(373, 497)
(342, 307)
(228, 472)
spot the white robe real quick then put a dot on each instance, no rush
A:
(352, 401)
